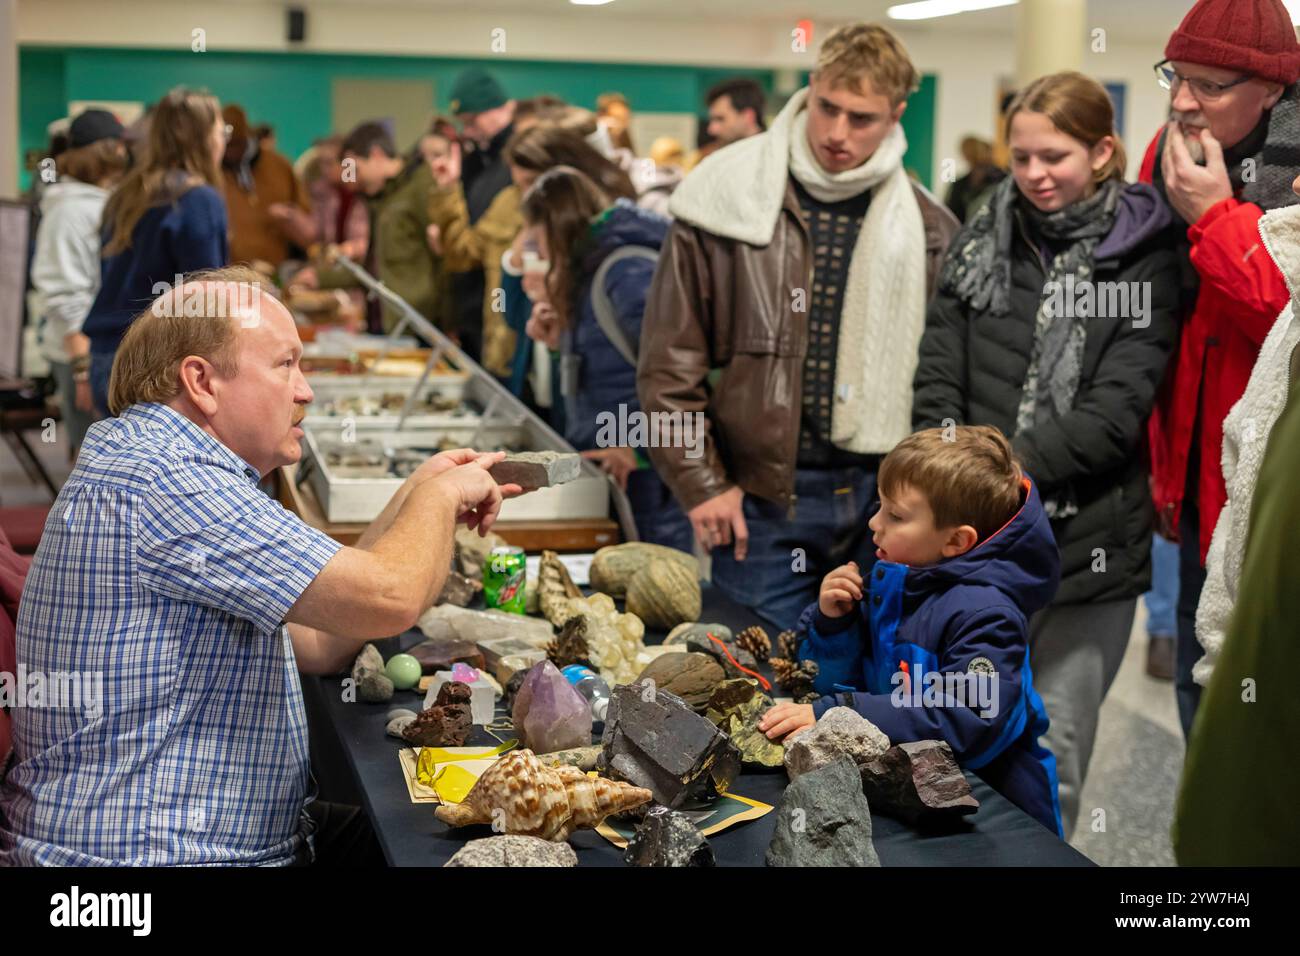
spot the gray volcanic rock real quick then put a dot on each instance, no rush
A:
(841, 732)
(824, 820)
(514, 850)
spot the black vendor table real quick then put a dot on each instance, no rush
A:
(998, 834)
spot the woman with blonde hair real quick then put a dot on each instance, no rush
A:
(1055, 318)
(167, 218)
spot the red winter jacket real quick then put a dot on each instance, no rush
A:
(1241, 293)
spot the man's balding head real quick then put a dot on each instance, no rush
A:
(223, 351)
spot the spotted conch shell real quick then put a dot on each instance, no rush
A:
(518, 795)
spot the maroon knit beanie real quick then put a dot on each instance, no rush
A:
(1251, 36)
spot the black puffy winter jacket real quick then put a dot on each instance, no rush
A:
(972, 369)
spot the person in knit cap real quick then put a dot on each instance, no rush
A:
(1227, 156)
(799, 265)
(486, 116)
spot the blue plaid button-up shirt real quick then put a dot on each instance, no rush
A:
(164, 573)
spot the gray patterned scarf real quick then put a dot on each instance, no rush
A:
(980, 274)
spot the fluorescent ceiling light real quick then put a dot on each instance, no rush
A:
(590, 3)
(927, 9)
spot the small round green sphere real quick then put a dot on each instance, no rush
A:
(403, 670)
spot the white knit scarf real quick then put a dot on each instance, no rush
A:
(738, 193)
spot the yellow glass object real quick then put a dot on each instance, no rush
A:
(430, 757)
(453, 783)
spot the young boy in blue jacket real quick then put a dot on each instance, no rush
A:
(936, 647)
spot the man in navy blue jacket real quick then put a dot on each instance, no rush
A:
(937, 646)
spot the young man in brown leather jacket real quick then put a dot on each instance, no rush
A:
(800, 265)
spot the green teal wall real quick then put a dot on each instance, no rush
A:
(41, 100)
(918, 124)
(291, 91)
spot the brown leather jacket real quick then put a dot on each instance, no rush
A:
(722, 304)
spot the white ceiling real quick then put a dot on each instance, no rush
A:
(1128, 19)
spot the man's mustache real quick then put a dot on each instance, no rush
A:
(299, 413)
(1189, 119)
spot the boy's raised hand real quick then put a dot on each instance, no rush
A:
(785, 719)
(841, 590)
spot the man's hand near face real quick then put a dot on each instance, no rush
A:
(1193, 189)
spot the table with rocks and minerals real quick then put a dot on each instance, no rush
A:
(691, 672)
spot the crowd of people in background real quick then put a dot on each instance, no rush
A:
(792, 283)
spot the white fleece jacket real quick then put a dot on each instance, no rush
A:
(1245, 439)
(65, 269)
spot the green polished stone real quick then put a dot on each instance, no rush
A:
(403, 670)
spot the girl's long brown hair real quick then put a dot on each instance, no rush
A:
(563, 202)
(546, 145)
(177, 157)
(1079, 107)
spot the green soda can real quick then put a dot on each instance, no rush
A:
(504, 579)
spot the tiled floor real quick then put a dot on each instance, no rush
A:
(1136, 762)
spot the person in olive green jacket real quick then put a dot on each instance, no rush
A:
(397, 194)
(1236, 805)
(479, 245)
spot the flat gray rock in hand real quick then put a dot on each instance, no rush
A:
(537, 469)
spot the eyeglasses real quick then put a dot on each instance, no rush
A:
(1203, 89)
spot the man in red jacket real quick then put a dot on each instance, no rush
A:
(1228, 155)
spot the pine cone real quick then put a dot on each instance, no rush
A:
(801, 680)
(755, 640)
(787, 645)
(796, 678)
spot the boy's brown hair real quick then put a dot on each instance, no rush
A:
(868, 50)
(968, 473)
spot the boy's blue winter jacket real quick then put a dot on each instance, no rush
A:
(964, 616)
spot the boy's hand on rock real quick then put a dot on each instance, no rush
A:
(841, 590)
(786, 719)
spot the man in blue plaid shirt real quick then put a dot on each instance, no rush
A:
(164, 571)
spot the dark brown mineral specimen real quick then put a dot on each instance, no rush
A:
(439, 655)
(919, 783)
(570, 645)
(447, 723)
(691, 676)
